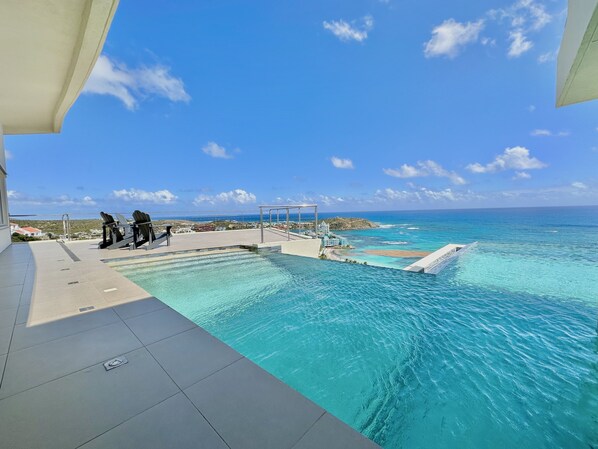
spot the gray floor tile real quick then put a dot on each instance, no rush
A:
(174, 423)
(251, 409)
(28, 287)
(331, 433)
(74, 409)
(10, 258)
(5, 336)
(25, 336)
(2, 363)
(155, 326)
(33, 366)
(192, 356)
(14, 268)
(135, 308)
(23, 313)
(9, 296)
(11, 277)
(7, 317)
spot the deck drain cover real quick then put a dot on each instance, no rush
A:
(85, 309)
(64, 269)
(115, 363)
(73, 283)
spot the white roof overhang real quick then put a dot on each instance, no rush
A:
(47, 51)
(577, 68)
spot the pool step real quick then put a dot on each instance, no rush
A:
(195, 262)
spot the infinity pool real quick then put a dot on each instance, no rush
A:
(412, 361)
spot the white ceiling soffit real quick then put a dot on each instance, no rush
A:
(577, 67)
(47, 51)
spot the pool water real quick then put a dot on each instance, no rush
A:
(410, 360)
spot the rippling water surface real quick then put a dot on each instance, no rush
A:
(499, 350)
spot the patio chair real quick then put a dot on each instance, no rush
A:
(112, 237)
(126, 225)
(143, 230)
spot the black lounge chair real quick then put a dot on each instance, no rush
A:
(112, 237)
(143, 231)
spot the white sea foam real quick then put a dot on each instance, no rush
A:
(395, 243)
(412, 228)
(386, 226)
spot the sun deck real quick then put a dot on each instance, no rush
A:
(63, 313)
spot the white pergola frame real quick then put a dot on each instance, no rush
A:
(287, 208)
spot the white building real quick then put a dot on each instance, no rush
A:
(324, 228)
(29, 231)
(48, 49)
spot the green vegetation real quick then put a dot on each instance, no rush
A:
(18, 238)
(54, 227)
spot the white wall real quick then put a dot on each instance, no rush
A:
(4, 223)
(305, 248)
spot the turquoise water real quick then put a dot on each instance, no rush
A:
(499, 350)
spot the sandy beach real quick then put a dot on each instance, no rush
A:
(335, 254)
(397, 253)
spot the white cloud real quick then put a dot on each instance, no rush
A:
(237, 196)
(519, 44)
(579, 185)
(488, 41)
(217, 151)
(541, 132)
(7, 154)
(143, 196)
(392, 195)
(450, 37)
(531, 108)
(330, 200)
(548, 133)
(354, 31)
(131, 85)
(342, 163)
(61, 200)
(424, 194)
(405, 171)
(516, 158)
(425, 168)
(89, 201)
(523, 17)
(547, 57)
(521, 175)
(523, 14)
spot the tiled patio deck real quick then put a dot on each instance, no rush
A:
(181, 387)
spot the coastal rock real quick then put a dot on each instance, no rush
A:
(349, 223)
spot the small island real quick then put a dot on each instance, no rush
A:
(349, 223)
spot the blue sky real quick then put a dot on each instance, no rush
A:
(360, 105)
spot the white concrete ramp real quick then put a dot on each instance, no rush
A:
(434, 262)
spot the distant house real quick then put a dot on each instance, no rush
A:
(13, 227)
(324, 228)
(330, 241)
(27, 231)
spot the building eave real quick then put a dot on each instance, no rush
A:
(84, 49)
(577, 65)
